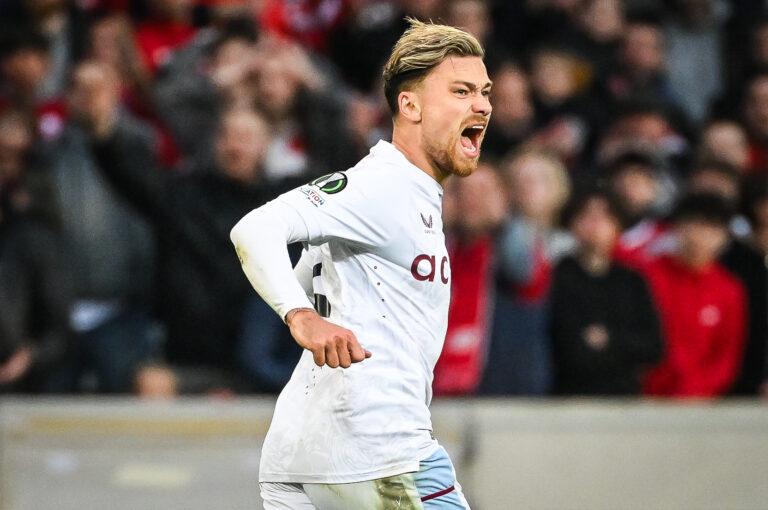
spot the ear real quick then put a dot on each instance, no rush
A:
(410, 105)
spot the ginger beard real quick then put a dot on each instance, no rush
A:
(455, 114)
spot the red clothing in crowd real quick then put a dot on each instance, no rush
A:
(703, 315)
(306, 21)
(460, 368)
(158, 39)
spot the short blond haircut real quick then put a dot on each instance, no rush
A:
(421, 48)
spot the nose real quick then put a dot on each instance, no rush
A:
(482, 105)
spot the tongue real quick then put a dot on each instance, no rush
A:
(466, 142)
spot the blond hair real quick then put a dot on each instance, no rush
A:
(421, 48)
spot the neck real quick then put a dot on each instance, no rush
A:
(594, 263)
(408, 142)
(693, 263)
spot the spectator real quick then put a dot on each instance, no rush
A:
(724, 140)
(24, 64)
(513, 112)
(202, 293)
(170, 29)
(360, 45)
(755, 111)
(63, 25)
(633, 178)
(746, 258)
(474, 16)
(213, 73)
(563, 113)
(640, 70)
(473, 209)
(306, 114)
(34, 290)
(694, 53)
(600, 24)
(307, 22)
(604, 328)
(702, 306)
(724, 181)
(111, 251)
(529, 245)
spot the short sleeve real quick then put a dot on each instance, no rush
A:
(351, 206)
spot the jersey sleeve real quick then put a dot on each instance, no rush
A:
(351, 206)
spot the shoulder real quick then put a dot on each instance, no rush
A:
(729, 283)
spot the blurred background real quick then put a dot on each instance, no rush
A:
(608, 327)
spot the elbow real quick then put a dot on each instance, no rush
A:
(246, 228)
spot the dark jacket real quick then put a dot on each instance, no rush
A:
(752, 269)
(620, 302)
(202, 289)
(108, 242)
(35, 294)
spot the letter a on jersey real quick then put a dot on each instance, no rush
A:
(331, 183)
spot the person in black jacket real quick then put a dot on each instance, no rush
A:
(202, 294)
(604, 328)
(35, 292)
(747, 258)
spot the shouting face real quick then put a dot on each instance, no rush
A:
(453, 105)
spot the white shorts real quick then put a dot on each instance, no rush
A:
(433, 487)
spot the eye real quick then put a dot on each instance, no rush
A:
(462, 92)
(487, 93)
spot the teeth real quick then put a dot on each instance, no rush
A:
(477, 127)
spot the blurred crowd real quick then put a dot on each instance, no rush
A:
(614, 240)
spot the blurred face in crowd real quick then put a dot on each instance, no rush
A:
(512, 98)
(756, 108)
(276, 86)
(95, 88)
(602, 19)
(241, 144)
(643, 50)
(595, 227)
(471, 15)
(710, 180)
(24, 70)
(538, 187)
(15, 139)
(636, 188)
(700, 242)
(725, 141)
(759, 46)
(553, 76)
(480, 201)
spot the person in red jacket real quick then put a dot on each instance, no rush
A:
(702, 306)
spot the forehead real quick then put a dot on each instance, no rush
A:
(466, 69)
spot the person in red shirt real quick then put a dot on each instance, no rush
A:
(702, 306)
(473, 210)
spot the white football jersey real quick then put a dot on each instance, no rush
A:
(381, 269)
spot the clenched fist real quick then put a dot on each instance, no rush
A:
(330, 344)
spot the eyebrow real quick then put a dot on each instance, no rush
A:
(471, 85)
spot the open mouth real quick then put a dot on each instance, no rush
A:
(470, 140)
